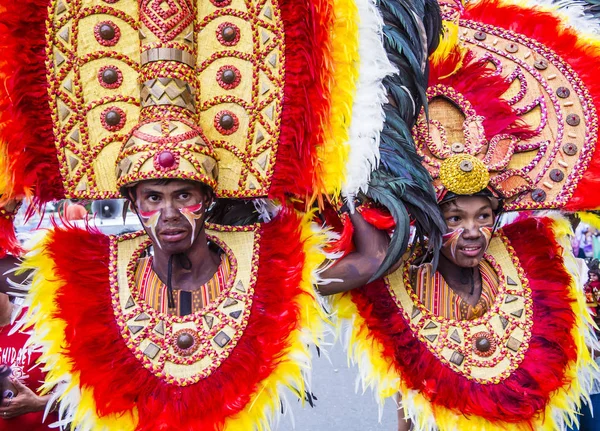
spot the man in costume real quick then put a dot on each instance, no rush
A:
(494, 336)
(242, 103)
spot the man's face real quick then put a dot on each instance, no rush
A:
(470, 221)
(172, 212)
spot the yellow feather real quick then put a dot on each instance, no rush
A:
(590, 218)
(333, 154)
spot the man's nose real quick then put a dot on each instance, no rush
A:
(170, 212)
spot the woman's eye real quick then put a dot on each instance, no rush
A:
(453, 219)
(153, 198)
(184, 196)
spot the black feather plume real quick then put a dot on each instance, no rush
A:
(411, 31)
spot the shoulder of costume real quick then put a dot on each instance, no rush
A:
(439, 356)
(87, 316)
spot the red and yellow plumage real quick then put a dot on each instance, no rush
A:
(75, 324)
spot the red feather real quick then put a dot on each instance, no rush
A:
(484, 90)
(379, 217)
(306, 100)
(9, 242)
(527, 391)
(25, 116)
(120, 382)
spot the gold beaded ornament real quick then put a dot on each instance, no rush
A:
(464, 174)
(165, 90)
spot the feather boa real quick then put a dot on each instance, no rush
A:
(542, 393)
(333, 153)
(107, 386)
(581, 52)
(25, 116)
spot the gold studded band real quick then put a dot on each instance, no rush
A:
(167, 54)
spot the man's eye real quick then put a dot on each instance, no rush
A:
(184, 196)
(153, 198)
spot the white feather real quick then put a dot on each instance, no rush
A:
(367, 110)
(266, 209)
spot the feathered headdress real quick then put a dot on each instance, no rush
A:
(515, 112)
(311, 99)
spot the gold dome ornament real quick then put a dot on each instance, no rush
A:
(464, 174)
(167, 148)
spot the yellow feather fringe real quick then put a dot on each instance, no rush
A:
(49, 332)
(333, 154)
(293, 365)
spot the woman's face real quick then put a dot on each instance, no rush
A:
(470, 221)
(593, 276)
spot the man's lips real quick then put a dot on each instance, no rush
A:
(172, 234)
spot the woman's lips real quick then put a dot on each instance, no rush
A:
(471, 250)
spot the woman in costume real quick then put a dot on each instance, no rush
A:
(242, 102)
(494, 336)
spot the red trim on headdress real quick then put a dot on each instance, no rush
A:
(526, 392)
(306, 100)
(582, 56)
(25, 114)
(483, 89)
(94, 343)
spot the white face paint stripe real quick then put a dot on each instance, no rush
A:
(150, 220)
(190, 215)
(452, 239)
(486, 231)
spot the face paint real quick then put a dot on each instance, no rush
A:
(451, 239)
(486, 231)
(192, 214)
(150, 220)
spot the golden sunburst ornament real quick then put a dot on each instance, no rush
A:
(464, 174)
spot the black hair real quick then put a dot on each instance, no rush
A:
(486, 193)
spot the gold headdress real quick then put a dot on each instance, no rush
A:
(507, 112)
(166, 142)
(157, 89)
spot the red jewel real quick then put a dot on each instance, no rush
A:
(166, 159)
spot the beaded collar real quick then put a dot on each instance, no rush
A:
(486, 349)
(183, 350)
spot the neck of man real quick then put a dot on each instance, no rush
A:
(191, 269)
(464, 281)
